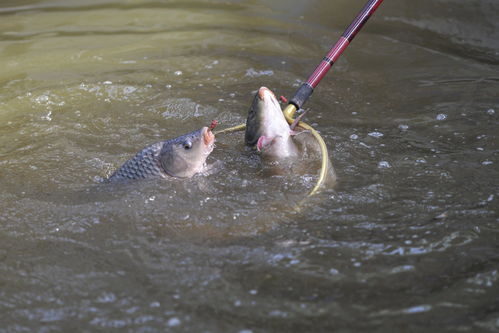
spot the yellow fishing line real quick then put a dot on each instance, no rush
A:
(241, 127)
(289, 112)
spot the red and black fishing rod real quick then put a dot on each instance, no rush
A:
(307, 88)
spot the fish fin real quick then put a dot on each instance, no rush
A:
(294, 133)
(264, 141)
(297, 120)
(260, 143)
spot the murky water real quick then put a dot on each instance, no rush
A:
(406, 241)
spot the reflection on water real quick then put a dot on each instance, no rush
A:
(407, 238)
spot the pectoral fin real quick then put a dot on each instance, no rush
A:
(296, 121)
(264, 142)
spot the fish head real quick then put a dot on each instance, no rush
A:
(186, 155)
(266, 127)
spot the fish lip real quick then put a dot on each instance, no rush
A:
(261, 93)
(208, 136)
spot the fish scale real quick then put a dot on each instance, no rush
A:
(143, 165)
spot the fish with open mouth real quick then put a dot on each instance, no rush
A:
(285, 146)
(267, 129)
(180, 157)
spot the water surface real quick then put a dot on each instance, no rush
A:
(406, 241)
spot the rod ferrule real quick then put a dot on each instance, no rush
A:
(301, 95)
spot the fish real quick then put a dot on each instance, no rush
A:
(267, 129)
(288, 148)
(180, 157)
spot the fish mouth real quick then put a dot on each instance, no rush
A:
(263, 91)
(268, 98)
(208, 136)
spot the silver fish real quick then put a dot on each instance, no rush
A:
(288, 148)
(267, 129)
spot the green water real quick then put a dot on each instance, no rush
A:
(407, 240)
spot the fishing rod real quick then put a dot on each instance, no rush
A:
(307, 88)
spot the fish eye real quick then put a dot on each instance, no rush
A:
(187, 145)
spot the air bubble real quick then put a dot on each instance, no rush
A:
(172, 322)
(384, 165)
(376, 134)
